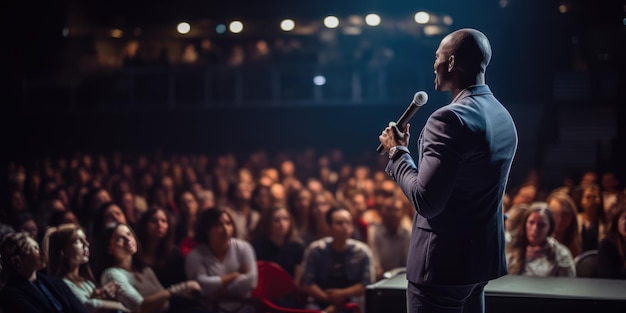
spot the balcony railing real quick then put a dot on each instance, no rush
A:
(222, 86)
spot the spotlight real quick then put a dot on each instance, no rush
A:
(183, 28)
(220, 28)
(319, 80)
(331, 22)
(287, 25)
(235, 27)
(422, 17)
(372, 19)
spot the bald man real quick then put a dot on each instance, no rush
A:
(464, 157)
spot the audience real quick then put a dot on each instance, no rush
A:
(280, 203)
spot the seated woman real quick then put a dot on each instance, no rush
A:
(566, 224)
(140, 289)
(224, 265)
(26, 290)
(155, 231)
(533, 251)
(612, 251)
(276, 240)
(68, 258)
(184, 234)
(106, 215)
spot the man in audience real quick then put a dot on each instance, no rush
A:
(389, 240)
(337, 268)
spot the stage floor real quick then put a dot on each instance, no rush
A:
(510, 294)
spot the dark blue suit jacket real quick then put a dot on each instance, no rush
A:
(21, 296)
(465, 153)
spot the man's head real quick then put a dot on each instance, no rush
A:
(339, 220)
(461, 59)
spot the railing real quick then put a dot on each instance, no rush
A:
(222, 86)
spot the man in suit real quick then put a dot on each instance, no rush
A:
(465, 153)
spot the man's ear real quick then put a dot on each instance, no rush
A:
(451, 60)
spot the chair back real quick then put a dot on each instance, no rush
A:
(587, 264)
(274, 282)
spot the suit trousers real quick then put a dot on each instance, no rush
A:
(445, 299)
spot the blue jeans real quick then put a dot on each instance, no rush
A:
(445, 299)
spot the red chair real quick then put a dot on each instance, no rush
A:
(274, 284)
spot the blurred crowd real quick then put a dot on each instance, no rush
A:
(184, 233)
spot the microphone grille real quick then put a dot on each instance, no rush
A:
(420, 98)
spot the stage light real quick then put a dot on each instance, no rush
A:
(287, 25)
(331, 22)
(372, 19)
(117, 33)
(422, 17)
(447, 20)
(319, 80)
(355, 20)
(235, 27)
(563, 8)
(220, 28)
(431, 30)
(183, 28)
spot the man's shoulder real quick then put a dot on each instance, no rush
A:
(358, 246)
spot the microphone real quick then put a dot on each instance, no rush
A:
(419, 99)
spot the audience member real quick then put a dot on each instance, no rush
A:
(68, 258)
(224, 265)
(155, 232)
(337, 268)
(122, 262)
(26, 289)
(591, 221)
(389, 240)
(612, 249)
(533, 251)
(566, 229)
(277, 241)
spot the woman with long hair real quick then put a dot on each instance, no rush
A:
(185, 228)
(533, 251)
(122, 262)
(612, 250)
(591, 219)
(566, 224)
(277, 240)
(155, 231)
(68, 258)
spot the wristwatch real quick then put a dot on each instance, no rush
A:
(392, 151)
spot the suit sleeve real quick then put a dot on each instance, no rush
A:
(429, 186)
